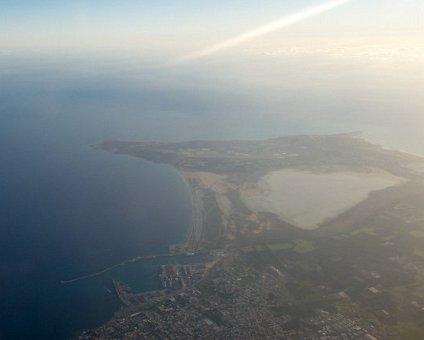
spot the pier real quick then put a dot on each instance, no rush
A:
(130, 261)
(133, 260)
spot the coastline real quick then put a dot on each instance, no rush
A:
(384, 145)
(218, 211)
(194, 236)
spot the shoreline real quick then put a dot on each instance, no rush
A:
(188, 247)
(368, 138)
(194, 235)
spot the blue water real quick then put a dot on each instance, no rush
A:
(67, 210)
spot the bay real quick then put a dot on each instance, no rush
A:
(68, 210)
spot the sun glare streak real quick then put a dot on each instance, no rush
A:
(260, 31)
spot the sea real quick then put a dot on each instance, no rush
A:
(68, 210)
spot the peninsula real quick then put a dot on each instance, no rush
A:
(310, 237)
(245, 190)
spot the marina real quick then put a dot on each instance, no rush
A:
(130, 261)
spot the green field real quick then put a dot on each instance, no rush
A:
(303, 246)
(417, 233)
(410, 331)
(280, 246)
(366, 231)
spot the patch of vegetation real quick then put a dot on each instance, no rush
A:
(248, 249)
(419, 252)
(215, 316)
(410, 331)
(366, 231)
(417, 233)
(303, 246)
(280, 246)
(212, 222)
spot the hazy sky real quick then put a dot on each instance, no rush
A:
(359, 66)
(173, 26)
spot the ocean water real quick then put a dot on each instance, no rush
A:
(67, 209)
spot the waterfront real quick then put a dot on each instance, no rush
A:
(69, 210)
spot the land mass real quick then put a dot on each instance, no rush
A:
(309, 236)
(242, 190)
